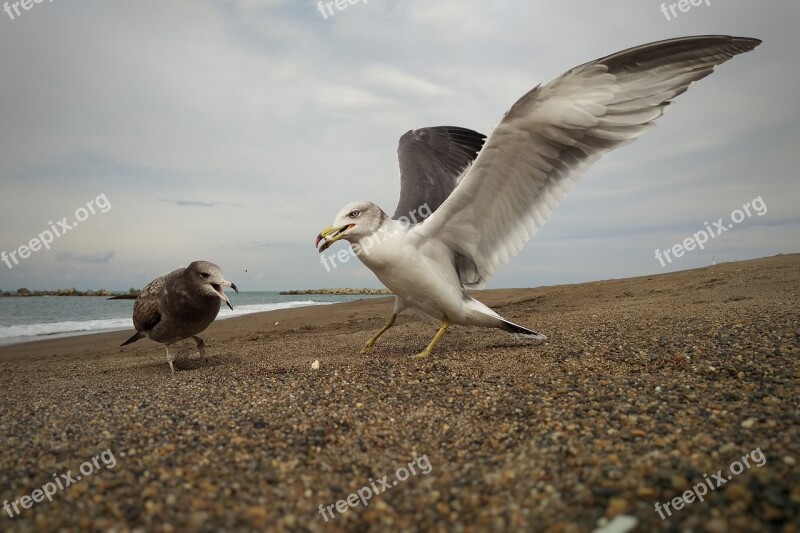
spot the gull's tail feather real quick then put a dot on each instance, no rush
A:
(484, 316)
(136, 336)
(518, 330)
(124, 297)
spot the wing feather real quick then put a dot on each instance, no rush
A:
(147, 308)
(431, 162)
(550, 136)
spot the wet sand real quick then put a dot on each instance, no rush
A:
(644, 385)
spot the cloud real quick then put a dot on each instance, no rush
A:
(277, 245)
(195, 203)
(99, 258)
(394, 80)
(266, 107)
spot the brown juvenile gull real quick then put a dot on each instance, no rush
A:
(180, 305)
(538, 150)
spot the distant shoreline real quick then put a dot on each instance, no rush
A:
(343, 292)
(25, 293)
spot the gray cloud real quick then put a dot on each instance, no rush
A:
(195, 203)
(99, 258)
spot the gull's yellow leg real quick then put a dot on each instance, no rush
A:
(427, 351)
(370, 343)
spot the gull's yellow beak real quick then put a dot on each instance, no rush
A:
(330, 235)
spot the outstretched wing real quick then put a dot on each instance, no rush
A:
(431, 162)
(553, 133)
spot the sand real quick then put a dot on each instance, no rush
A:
(644, 386)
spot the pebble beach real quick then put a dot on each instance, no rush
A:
(645, 387)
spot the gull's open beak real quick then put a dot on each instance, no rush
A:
(330, 235)
(221, 294)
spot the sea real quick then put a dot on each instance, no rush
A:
(25, 319)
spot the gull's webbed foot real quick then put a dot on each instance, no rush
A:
(424, 354)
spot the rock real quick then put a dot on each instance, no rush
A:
(620, 524)
(617, 506)
(716, 525)
(738, 493)
(679, 483)
(338, 291)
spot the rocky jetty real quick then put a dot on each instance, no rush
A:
(339, 291)
(23, 292)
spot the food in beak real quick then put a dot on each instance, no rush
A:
(330, 235)
(325, 245)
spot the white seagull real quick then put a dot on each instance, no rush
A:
(484, 211)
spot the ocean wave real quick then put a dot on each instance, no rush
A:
(21, 331)
(27, 332)
(260, 308)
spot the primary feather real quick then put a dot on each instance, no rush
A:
(551, 135)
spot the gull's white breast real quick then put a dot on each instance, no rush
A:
(419, 271)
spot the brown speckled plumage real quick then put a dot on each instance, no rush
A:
(180, 305)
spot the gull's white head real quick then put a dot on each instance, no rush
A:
(354, 222)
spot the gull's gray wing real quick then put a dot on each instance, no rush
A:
(431, 162)
(553, 133)
(147, 308)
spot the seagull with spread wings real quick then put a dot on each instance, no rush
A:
(487, 201)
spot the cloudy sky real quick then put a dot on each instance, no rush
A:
(234, 130)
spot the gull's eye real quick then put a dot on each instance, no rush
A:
(205, 275)
(354, 213)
